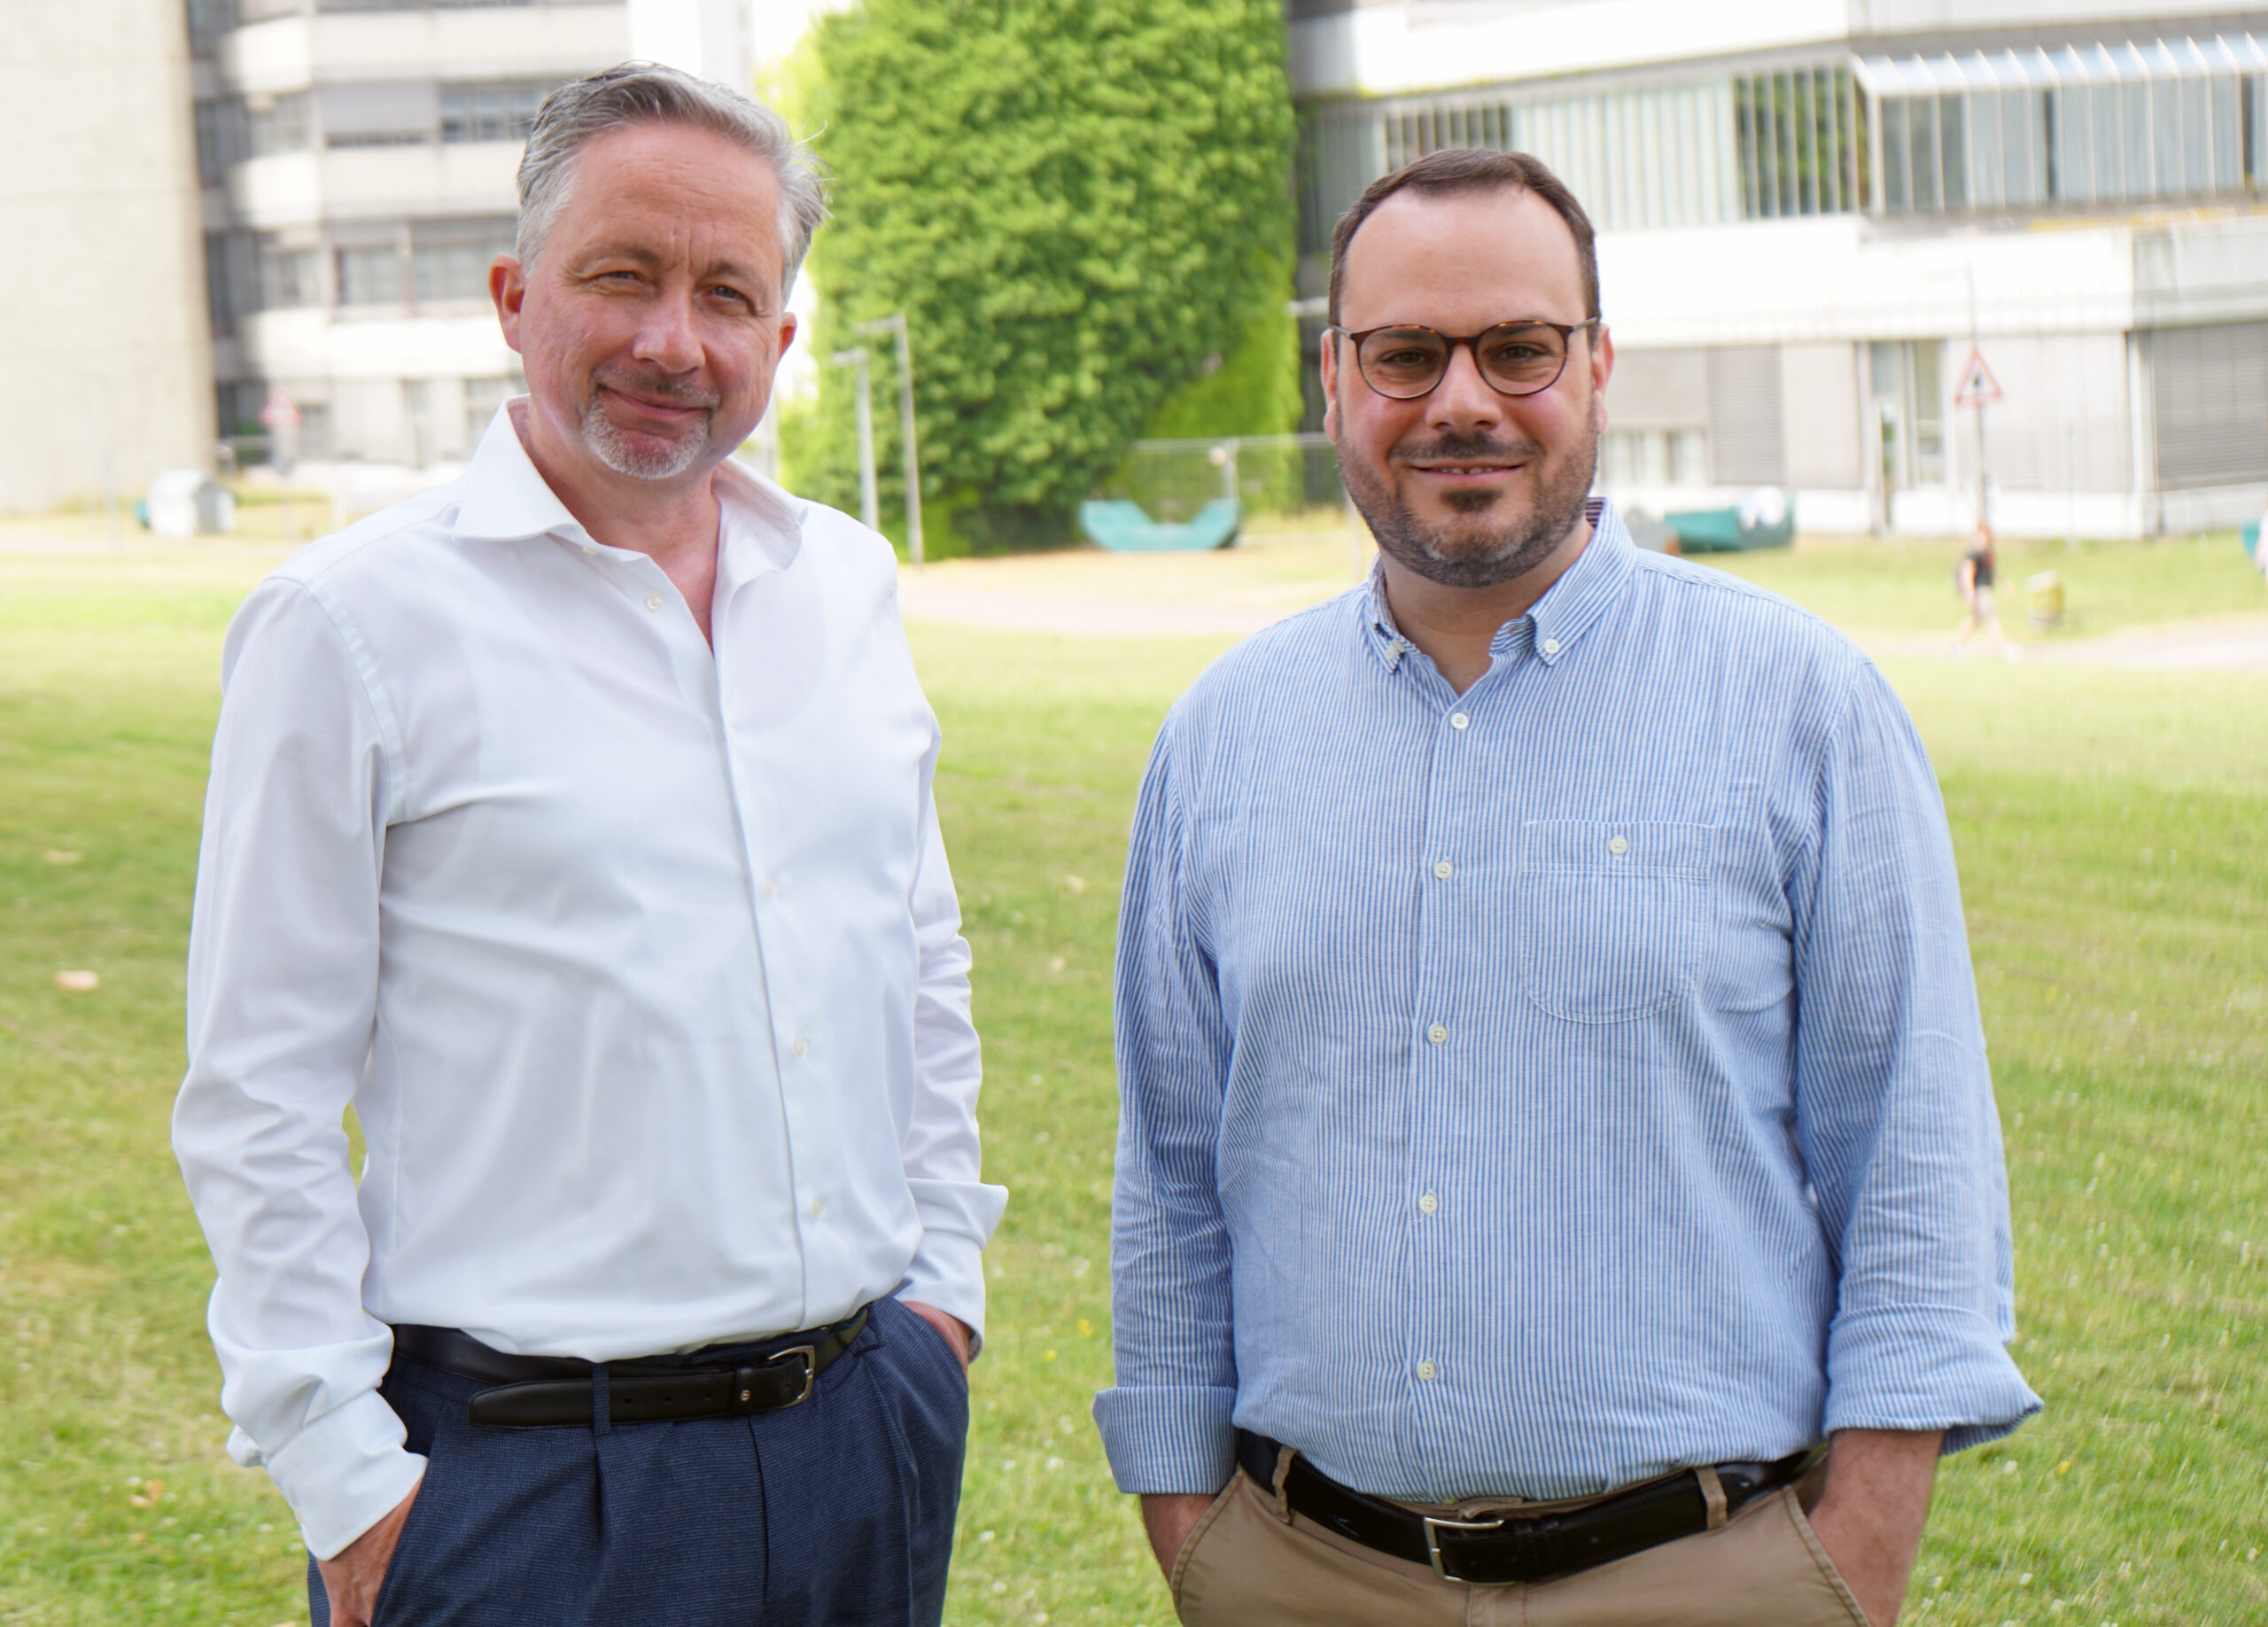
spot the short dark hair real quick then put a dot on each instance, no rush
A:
(1454, 171)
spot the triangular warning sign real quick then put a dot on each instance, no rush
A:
(1978, 387)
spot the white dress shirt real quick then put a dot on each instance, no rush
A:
(640, 963)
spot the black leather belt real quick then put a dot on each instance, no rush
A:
(1492, 1550)
(537, 1392)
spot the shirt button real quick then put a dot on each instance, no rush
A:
(1426, 1370)
(770, 887)
(588, 548)
(1437, 1034)
(1551, 646)
(1427, 1204)
(1617, 846)
(653, 600)
(801, 1046)
(1444, 869)
(818, 1203)
(1457, 719)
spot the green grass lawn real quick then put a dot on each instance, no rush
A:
(2109, 823)
(1908, 585)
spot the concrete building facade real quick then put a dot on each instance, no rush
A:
(1810, 211)
(105, 338)
(356, 162)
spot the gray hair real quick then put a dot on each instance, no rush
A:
(633, 93)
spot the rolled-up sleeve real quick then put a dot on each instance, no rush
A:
(1167, 1423)
(282, 988)
(943, 1158)
(1894, 1098)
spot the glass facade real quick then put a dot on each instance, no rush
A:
(491, 113)
(2167, 122)
(1803, 142)
(1661, 155)
(425, 262)
(2025, 149)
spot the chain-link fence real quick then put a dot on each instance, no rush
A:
(1285, 482)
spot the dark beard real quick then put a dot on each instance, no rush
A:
(1484, 558)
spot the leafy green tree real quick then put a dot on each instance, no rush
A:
(1084, 208)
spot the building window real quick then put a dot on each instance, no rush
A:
(491, 113)
(1909, 412)
(447, 271)
(2032, 147)
(1654, 458)
(481, 398)
(219, 139)
(316, 440)
(1659, 155)
(427, 262)
(289, 277)
(237, 408)
(1803, 142)
(370, 275)
(2209, 389)
(232, 279)
(208, 20)
(278, 124)
(379, 113)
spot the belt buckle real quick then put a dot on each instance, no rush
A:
(809, 1353)
(1435, 1527)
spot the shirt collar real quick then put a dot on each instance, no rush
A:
(506, 498)
(1567, 609)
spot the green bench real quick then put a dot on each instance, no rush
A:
(1123, 528)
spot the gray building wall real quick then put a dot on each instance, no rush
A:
(109, 355)
(1819, 394)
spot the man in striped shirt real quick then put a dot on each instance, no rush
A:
(1554, 1106)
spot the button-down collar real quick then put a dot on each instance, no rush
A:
(1553, 624)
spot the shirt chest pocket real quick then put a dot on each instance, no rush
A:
(1610, 919)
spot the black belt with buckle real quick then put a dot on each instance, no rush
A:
(539, 1392)
(1493, 1550)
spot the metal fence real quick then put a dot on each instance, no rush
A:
(1283, 481)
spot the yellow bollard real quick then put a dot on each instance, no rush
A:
(2044, 594)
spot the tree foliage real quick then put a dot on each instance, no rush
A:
(1079, 204)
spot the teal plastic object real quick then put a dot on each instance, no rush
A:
(1123, 528)
(1719, 530)
(2252, 541)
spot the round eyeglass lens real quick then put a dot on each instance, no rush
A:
(1403, 362)
(1521, 358)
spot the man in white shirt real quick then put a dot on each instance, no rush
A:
(574, 822)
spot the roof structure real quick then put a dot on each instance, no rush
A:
(2135, 62)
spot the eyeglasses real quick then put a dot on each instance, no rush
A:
(1516, 358)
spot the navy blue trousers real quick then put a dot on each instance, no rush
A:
(837, 1512)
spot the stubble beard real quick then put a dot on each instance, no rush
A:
(1479, 555)
(626, 456)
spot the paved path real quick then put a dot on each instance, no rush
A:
(1087, 593)
(2217, 643)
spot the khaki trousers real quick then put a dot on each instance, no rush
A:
(1245, 1566)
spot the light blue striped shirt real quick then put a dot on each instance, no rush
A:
(1533, 1091)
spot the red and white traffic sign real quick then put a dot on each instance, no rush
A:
(281, 412)
(1978, 387)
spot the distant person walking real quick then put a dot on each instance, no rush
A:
(1977, 576)
(574, 822)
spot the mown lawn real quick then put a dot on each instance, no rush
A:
(1908, 585)
(2109, 824)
